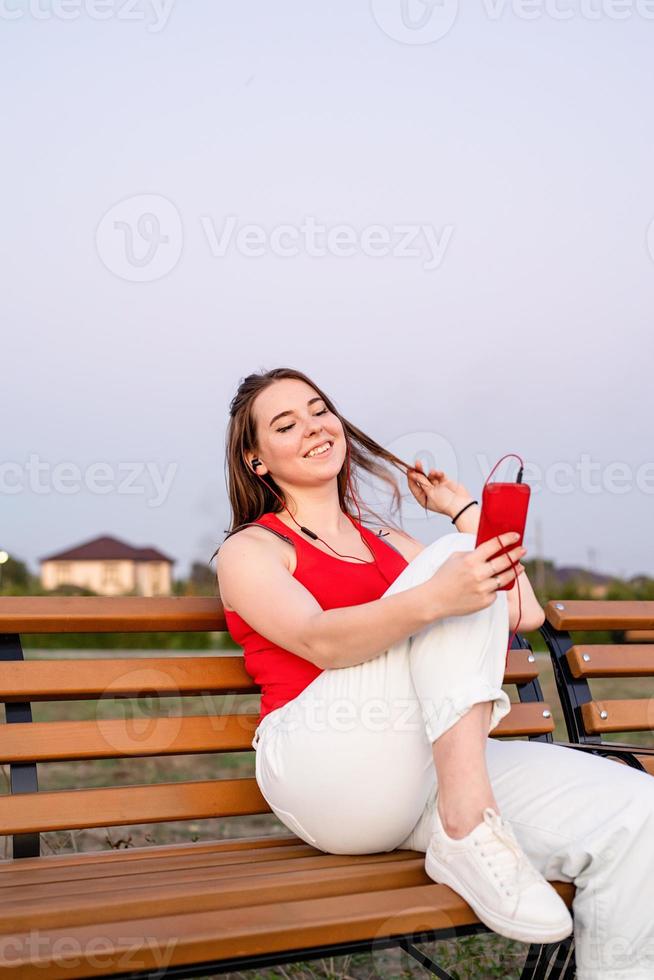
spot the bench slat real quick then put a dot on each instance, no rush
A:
(72, 679)
(622, 715)
(109, 738)
(525, 718)
(611, 660)
(84, 679)
(110, 614)
(200, 937)
(71, 865)
(113, 807)
(72, 878)
(598, 614)
(182, 891)
(520, 669)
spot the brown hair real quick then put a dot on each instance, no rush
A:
(248, 494)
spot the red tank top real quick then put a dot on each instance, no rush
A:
(335, 583)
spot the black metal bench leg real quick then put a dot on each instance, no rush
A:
(563, 962)
(550, 961)
(22, 775)
(424, 960)
(557, 958)
(534, 954)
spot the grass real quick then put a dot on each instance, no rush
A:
(482, 956)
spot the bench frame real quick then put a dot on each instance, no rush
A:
(574, 691)
(554, 960)
(558, 958)
(23, 776)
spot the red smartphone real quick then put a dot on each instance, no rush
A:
(503, 508)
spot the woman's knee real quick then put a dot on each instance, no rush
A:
(427, 561)
(639, 806)
(440, 549)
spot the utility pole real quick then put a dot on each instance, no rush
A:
(540, 564)
(592, 557)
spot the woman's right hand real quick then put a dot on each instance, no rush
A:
(466, 581)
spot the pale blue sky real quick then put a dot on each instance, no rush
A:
(523, 147)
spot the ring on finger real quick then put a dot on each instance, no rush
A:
(498, 581)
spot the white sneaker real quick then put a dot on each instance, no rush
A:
(489, 869)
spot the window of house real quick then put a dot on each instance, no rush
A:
(110, 573)
(155, 578)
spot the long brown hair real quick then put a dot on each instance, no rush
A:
(250, 496)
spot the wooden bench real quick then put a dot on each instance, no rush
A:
(194, 908)
(577, 664)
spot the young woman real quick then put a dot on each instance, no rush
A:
(381, 663)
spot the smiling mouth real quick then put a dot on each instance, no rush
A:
(325, 452)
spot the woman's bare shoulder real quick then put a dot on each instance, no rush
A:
(407, 546)
(252, 538)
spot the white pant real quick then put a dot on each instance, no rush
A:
(347, 765)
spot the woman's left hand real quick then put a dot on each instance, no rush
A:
(435, 490)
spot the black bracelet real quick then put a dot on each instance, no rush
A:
(455, 519)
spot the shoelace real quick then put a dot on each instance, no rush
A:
(508, 871)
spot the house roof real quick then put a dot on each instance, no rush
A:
(107, 548)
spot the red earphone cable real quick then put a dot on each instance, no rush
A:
(355, 557)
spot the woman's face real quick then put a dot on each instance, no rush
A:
(306, 423)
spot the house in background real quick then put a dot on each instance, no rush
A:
(109, 566)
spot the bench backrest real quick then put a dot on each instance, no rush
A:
(577, 664)
(129, 683)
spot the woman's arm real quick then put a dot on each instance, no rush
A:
(533, 614)
(255, 581)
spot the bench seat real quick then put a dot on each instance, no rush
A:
(211, 903)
